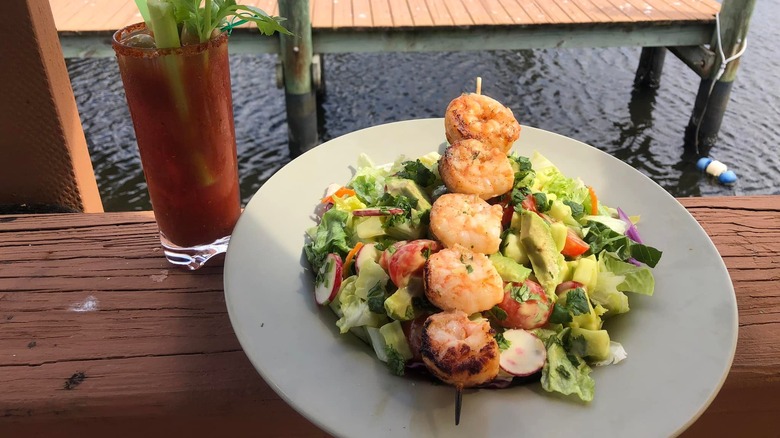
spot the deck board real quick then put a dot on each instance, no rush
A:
(537, 15)
(598, 13)
(460, 16)
(420, 14)
(439, 13)
(323, 13)
(516, 12)
(401, 15)
(342, 13)
(574, 12)
(110, 15)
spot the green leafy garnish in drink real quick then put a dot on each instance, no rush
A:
(180, 22)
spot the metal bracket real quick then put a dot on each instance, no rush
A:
(699, 58)
(316, 73)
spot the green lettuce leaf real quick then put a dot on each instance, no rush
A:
(330, 236)
(637, 279)
(565, 372)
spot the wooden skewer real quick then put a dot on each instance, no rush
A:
(479, 85)
(458, 403)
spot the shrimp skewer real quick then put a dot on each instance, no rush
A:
(482, 118)
(466, 220)
(459, 352)
(471, 167)
(458, 279)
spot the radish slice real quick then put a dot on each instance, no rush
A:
(377, 211)
(328, 280)
(365, 253)
(526, 353)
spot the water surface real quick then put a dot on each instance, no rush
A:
(585, 94)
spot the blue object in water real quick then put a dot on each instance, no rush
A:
(717, 170)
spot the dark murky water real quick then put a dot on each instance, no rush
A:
(585, 94)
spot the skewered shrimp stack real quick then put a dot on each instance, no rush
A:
(460, 279)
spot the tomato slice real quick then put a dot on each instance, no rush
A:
(574, 245)
(529, 203)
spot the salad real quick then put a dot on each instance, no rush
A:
(481, 267)
(371, 244)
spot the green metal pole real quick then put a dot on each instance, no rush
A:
(300, 98)
(713, 95)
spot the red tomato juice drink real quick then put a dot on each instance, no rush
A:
(182, 110)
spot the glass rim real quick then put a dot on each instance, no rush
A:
(144, 52)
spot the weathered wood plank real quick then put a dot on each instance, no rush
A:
(554, 11)
(381, 14)
(574, 12)
(110, 15)
(361, 13)
(497, 12)
(342, 14)
(538, 15)
(401, 15)
(420, 14)
(323, 14)
(608, 11)
(146, 336)
(635, 34)
(516, 12)
(460, 16)
(477, 11)
(594, 12)
(439, 13)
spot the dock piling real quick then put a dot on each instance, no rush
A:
(300, 98)
(714, 90)
(651, 65)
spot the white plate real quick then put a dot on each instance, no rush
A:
(680, 342)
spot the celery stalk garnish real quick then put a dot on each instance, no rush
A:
(144, 10)
(164, 27)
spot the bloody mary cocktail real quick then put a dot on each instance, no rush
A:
(182, 110)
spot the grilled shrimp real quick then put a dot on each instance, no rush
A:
(466, 220)
(458, 279)
(482, 118)
(470, 166)
(458, 351)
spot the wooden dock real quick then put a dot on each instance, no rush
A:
(340, 26)
(109, 15)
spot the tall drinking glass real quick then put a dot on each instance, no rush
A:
(182, 111)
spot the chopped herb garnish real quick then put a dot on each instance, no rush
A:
(376, 298)
(498, 313)
(502, 342)
(520, 294)
(395, 361)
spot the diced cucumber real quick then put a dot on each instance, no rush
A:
(369, 227)
(587, 273)
(596, 342)
(559, 231)
(395, 337)
(399, 305)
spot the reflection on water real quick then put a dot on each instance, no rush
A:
(586, 94)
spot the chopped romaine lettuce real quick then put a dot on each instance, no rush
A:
(330, 236)
(637, 279)
(566, 372)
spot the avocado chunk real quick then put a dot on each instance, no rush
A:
(399, 305)
(512, 248)
(596, 342)
(540, 246)
(416, 226)
(508, 269)
(410, 189)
